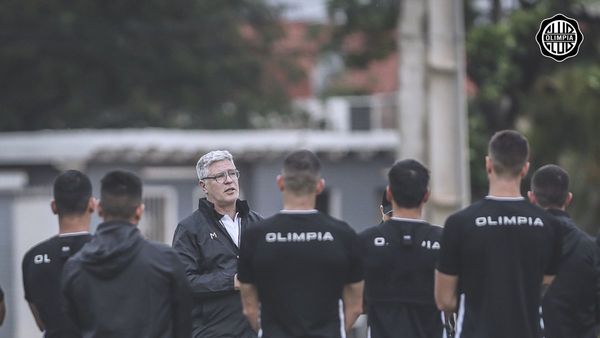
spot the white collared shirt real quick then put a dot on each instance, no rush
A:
(233, 227)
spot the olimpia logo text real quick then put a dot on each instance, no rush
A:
(272, 237)
(559, 37)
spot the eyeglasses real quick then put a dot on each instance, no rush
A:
(222, 176)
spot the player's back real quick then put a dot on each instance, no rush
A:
(42, 268)
(399, 262)
(500, 248)
(121, 285)
(300, 263)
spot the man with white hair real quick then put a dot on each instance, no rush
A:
(208, 244)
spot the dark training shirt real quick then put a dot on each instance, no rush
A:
(300, 263)
(42, 269)
(500, 249)
(570, 305)
(399, 262)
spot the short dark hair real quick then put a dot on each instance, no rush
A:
(301, 171)
(509, 152)
(72, 192)
(550, 184)
(408, 181)
(120, 194)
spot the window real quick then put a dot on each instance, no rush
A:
(329, 202)
(360, 118)
(160, 214)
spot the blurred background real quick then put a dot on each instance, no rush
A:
(151, 86)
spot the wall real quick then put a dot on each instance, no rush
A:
(6, 261)
(33, 222)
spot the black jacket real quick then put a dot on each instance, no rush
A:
(210, 257)
(123, 286)
(571, 304)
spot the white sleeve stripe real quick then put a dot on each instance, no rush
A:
(461, 316)
(444, 333)
(342, 318)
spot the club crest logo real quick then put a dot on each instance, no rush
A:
(559, 37)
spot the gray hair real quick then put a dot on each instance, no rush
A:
(209, 158)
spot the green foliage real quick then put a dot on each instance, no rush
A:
(179, 63)
(372, 21)
(554, 103)
(566, 119)
(502, 60)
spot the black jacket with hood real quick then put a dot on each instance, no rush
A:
(210, 257)
(123, 286)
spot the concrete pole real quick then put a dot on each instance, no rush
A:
(411, 100)
(447, 128)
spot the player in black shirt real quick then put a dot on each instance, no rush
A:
(43, 264)
(571, 303)
(399, 261)
(297, 265)
(496, 252)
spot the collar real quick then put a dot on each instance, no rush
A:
(78, 233)
(558, 212)
(307, 211)
(500, 198)
(241, 207)
(235, 217)
(403, 219)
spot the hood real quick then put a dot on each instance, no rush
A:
(559, 213)
(113, 247)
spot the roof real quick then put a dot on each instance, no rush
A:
(58, 147)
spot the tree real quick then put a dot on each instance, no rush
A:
(374, 22)
(553, 103)
(181, 63)
(565, 116)
(517, 88)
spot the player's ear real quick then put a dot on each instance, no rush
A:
(388, 194)
(426, 196)
(531, 197)
(525, 169)
(568, 199)
(138, 212)
(92, 204)
(488, 165)
(280, 181)
(320, 185)
(53, 207)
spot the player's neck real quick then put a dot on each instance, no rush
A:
(505, 187)
(298, 202)
(71, 224)
(407, 213)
